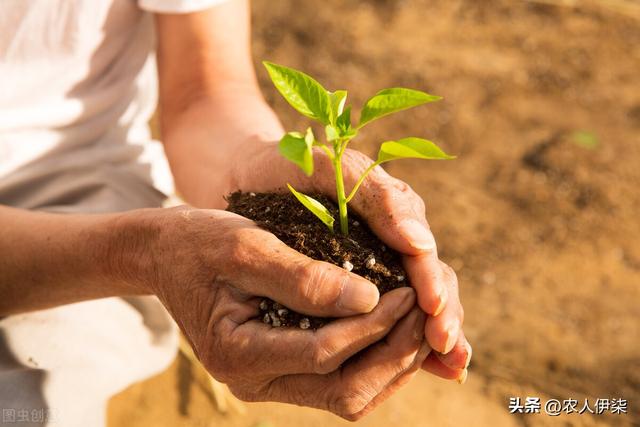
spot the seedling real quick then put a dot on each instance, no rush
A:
(308, 96)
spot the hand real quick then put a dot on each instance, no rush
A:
(211, 269)
(397, 215)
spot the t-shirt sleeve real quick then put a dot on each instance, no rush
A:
(177, 6)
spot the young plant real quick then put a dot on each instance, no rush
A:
(311, 99)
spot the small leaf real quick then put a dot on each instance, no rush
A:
(344, 120)
(411, 148)
(301, 91)
(338, 98)
(331, 132)
(309, 138)
(350, 133)
(342, 128)
(297, 148)
(315, 207)
(389, 101)
(585, 139)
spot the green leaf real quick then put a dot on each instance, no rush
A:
(585, 139)
(331, 132)
(309, 138)
(344, 120)
(342, 128)
(338, 98)
(297, 148)
(350, 134)
(301, 91)
(315, 207)
(411, 148)
(389, 101)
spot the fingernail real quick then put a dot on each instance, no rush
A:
(442, 298)
(359, 296)
(469, 353)
(452, 337)
(417, 234)
(463, 377)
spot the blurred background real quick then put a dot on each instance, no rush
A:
(539, 215)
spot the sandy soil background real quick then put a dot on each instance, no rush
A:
(539, 215)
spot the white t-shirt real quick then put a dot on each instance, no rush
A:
(78, 86)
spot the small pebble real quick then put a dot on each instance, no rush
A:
(356, 223)
(252, 194)
(283, 312)
(266, 319)
(371, 261)
(400, 278)
(275, 320)
(347, 266)
(264, 305)
(267, 209)
(305, 323)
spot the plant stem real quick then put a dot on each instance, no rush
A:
(360, 180)
(327, 150)
(342, 199)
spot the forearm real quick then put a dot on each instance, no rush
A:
(48, 259)
(211, 108)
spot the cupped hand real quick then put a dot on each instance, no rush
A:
(397, 215)
(212, 268)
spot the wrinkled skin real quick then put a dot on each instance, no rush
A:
(224, 264)
(396, 214)
(211, 281)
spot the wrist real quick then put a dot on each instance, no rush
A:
(53, 259)
(129, 257)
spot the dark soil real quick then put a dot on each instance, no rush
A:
(361, 251)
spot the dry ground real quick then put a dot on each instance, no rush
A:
(541, 226)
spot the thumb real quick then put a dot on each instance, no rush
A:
(272, 269)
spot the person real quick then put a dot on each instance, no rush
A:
(90, 263)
